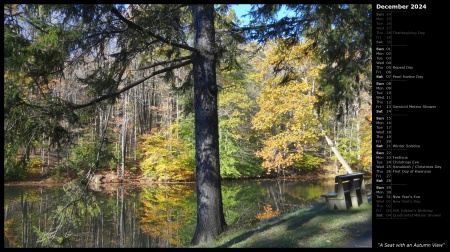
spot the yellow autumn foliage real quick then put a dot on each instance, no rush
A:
(286, 120)
(165, 156)
(165, 211)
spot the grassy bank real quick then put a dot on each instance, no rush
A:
(314, 227)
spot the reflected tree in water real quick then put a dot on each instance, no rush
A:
(165, 211)
(67, 217)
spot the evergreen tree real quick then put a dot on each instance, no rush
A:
(95, 46)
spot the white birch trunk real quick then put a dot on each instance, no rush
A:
(338, 155)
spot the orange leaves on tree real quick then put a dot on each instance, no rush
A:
(268, 213)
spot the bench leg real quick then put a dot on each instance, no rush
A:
(339, 203)
(342, 205)
(364, 197)
(330, 204)
(363, 193)
(353, 195)
(354, 200)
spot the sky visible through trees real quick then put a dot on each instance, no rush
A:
(243, 9)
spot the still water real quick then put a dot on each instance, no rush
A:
(157, 215)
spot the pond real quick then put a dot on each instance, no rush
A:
(151, 216)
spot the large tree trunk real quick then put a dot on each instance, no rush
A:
(210, 217)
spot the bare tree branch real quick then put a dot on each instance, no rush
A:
(106, 33)
(104, 97)
(164, 62)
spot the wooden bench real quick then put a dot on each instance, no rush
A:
(349, 189)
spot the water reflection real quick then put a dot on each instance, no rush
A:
(159, 215)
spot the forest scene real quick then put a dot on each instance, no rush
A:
(179, 93)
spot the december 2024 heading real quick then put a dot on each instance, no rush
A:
(401, 6)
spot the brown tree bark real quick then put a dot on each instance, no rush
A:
(210, 217)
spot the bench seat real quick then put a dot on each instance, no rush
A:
(349, 190)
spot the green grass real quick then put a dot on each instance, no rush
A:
(315, 227)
